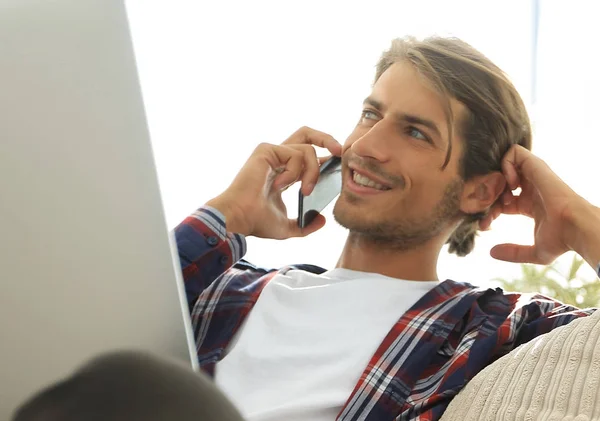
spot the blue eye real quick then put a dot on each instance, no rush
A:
(368, 118)
(417, 134)
(369, 115)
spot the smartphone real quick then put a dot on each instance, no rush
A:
(328, 187)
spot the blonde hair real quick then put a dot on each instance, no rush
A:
(496, 117)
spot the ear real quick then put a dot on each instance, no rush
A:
(481, 192)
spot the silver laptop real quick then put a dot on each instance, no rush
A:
(86, 261)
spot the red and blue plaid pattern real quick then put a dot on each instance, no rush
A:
(435, 348)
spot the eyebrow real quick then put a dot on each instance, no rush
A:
(404, 117)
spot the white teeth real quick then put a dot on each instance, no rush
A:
(366, 181)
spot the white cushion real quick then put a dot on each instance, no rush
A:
(555, 377)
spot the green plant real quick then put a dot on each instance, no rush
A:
(567, 288)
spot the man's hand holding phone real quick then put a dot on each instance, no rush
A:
(252, 204)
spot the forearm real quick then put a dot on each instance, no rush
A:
(584, 233)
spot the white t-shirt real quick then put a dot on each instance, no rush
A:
(308, 339)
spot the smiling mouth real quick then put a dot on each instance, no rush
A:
(365, 181)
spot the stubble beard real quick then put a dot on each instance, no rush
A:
(399, 232)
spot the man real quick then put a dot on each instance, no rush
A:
(442, 142)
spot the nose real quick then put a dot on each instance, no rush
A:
(373, 144)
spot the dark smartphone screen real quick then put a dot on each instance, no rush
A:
(328, 187)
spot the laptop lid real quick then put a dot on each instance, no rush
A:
(86, 264)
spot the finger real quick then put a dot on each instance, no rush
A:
(310, 173)
(510, 173)
(507, 197)
(289, 167)
(513, 205)
(317, 223)
(494, 212)
(308, 136)
(323, 159)
(485, 224)
(519, 163)
(515, 253)
(518, 205)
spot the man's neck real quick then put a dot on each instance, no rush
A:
(416, 264)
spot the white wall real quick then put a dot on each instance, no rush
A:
(220, 77)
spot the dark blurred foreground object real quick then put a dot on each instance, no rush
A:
(130, 386)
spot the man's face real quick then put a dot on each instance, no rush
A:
(398, 149)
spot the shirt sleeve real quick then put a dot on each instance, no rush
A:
(542, 314)
(206, 250)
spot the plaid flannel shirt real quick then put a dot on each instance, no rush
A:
(433, 350)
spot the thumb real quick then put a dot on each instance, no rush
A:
(515, 253)
(315, 225)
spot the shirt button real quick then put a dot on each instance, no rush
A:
(224, 260)
(213, 241)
